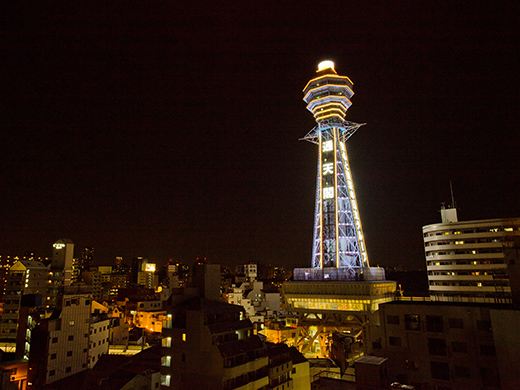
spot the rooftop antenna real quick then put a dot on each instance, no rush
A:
(449, 215)
(453, 205)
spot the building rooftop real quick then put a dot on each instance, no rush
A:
(296, 356)
(501, 306)
(375, 360)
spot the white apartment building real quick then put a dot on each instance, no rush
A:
(472, 261)
(60, 343)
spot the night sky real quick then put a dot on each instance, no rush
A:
(171, 129)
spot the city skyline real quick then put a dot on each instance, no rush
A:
(169, 131)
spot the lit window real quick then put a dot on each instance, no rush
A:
(166, 361)
(184, 337)
(165, 380)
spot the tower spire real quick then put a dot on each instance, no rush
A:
(338, 236)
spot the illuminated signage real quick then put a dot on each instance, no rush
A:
(328, 146)
(59, 245)
(328, 193)
(328, 168)
(149, 267)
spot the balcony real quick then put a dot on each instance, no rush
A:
(254, 385)
(242, 369)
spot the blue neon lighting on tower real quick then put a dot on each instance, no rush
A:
(338, 240)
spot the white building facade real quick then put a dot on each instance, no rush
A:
(472, 261)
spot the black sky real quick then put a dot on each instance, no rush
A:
(170, 129)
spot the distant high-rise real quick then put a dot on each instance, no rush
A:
(87, 258)
(62, 258)
(338, 236)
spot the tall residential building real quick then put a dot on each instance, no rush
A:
(62, 258)
(473, 261)
(60, 344)
(87, 258)
(209, 344)
(60, 274)
(23, 278)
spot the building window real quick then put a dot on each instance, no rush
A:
(166, 342)
(437, 347)
(183, 357)
(484, 325)
(412, 322)
(68, 369)
(53, 356)
(167, 322)
(395, 341)
(69, 353)
(456, 323)
(71, 323)
(166, 361)
(52, 372)
(54, 340)
(463, 372)
(487, 350)
(71, 337)
(391, 319)
(440, 370)
(434, 324)
(458, 346)
(184, 337)
(165, 380)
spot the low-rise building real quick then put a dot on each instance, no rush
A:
(450, 345)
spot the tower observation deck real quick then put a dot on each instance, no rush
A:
(338, 240)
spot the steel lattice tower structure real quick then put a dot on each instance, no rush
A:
(338, 240)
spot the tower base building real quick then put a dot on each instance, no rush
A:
(328, 303)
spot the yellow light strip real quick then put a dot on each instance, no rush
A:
(325, 86)
(330, 116)
(337, 105)
(321, 200)
(355, 209)
(334, 129)
(331, 76)
(328, 100)
(320, 111)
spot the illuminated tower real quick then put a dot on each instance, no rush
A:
(341, 293)
(338, 237)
